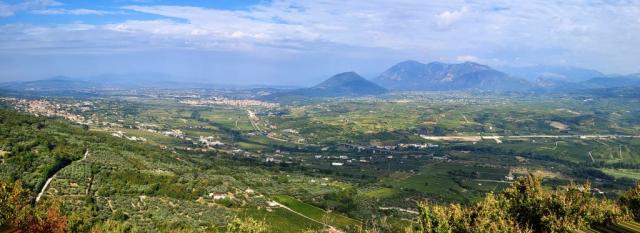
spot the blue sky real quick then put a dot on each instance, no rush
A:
(300, 42)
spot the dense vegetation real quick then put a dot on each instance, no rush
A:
(523, 207)
(527, 207)
(98, 192)
(33, 149)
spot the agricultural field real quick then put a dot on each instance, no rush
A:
(313, 164)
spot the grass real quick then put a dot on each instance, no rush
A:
(281, 220)
(233, 118)
(316, 213)
(381, 193)
(437, 181)
(629, 173)
(621, 227)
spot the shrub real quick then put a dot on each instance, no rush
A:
(246, 225)
(526, 207)
(631, 200)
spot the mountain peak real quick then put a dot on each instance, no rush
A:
(59, 78)
(344, 84)
(349, 75)
(411, 75)
(470, 63)
(410, 62)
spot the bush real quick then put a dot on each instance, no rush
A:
(246, 225)
(527, 207)
(16, 210)
(115, 226)
(631, 200)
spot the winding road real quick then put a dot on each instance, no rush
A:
(46, 184)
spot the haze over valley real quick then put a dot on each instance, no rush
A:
(319, 116)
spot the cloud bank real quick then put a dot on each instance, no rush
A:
(598, 34)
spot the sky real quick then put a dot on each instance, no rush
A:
(298, 42)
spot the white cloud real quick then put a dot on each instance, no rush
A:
(536, 31)
(59, 11)
(447, 18)
(465, 58)
(7, 9)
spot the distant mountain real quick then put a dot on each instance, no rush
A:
(105, 81)
(550, 84)
(413, 75)
(611, 81)
(612, 92)
(547, 73)
(135, 80)
(54, 83)
(343, 84)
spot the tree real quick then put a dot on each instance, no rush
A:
(80, 221)
(246, 225)
(16, 210)
(46, 218)
(6, 207)
(14, 201)
(195, 115)
(631, 200)
(114, 226)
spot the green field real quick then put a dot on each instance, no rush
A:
(381, 193)
(281, 220)
(450, 181)
(629, 173)
(335, 161)
(329, 218)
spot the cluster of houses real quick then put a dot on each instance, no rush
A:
(271, 159)
(121, 134)
(174, 133)
(229, 102)
(210, 141)
(417, 145)
(341, 160)
(230, 195)
(47, 108)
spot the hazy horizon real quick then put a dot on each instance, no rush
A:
(300, 43)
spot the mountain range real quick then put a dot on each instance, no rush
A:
(437, 76)
(101, 82)
(404, 76)
(556, 73)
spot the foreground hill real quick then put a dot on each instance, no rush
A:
(104, 183)
(437, 76)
